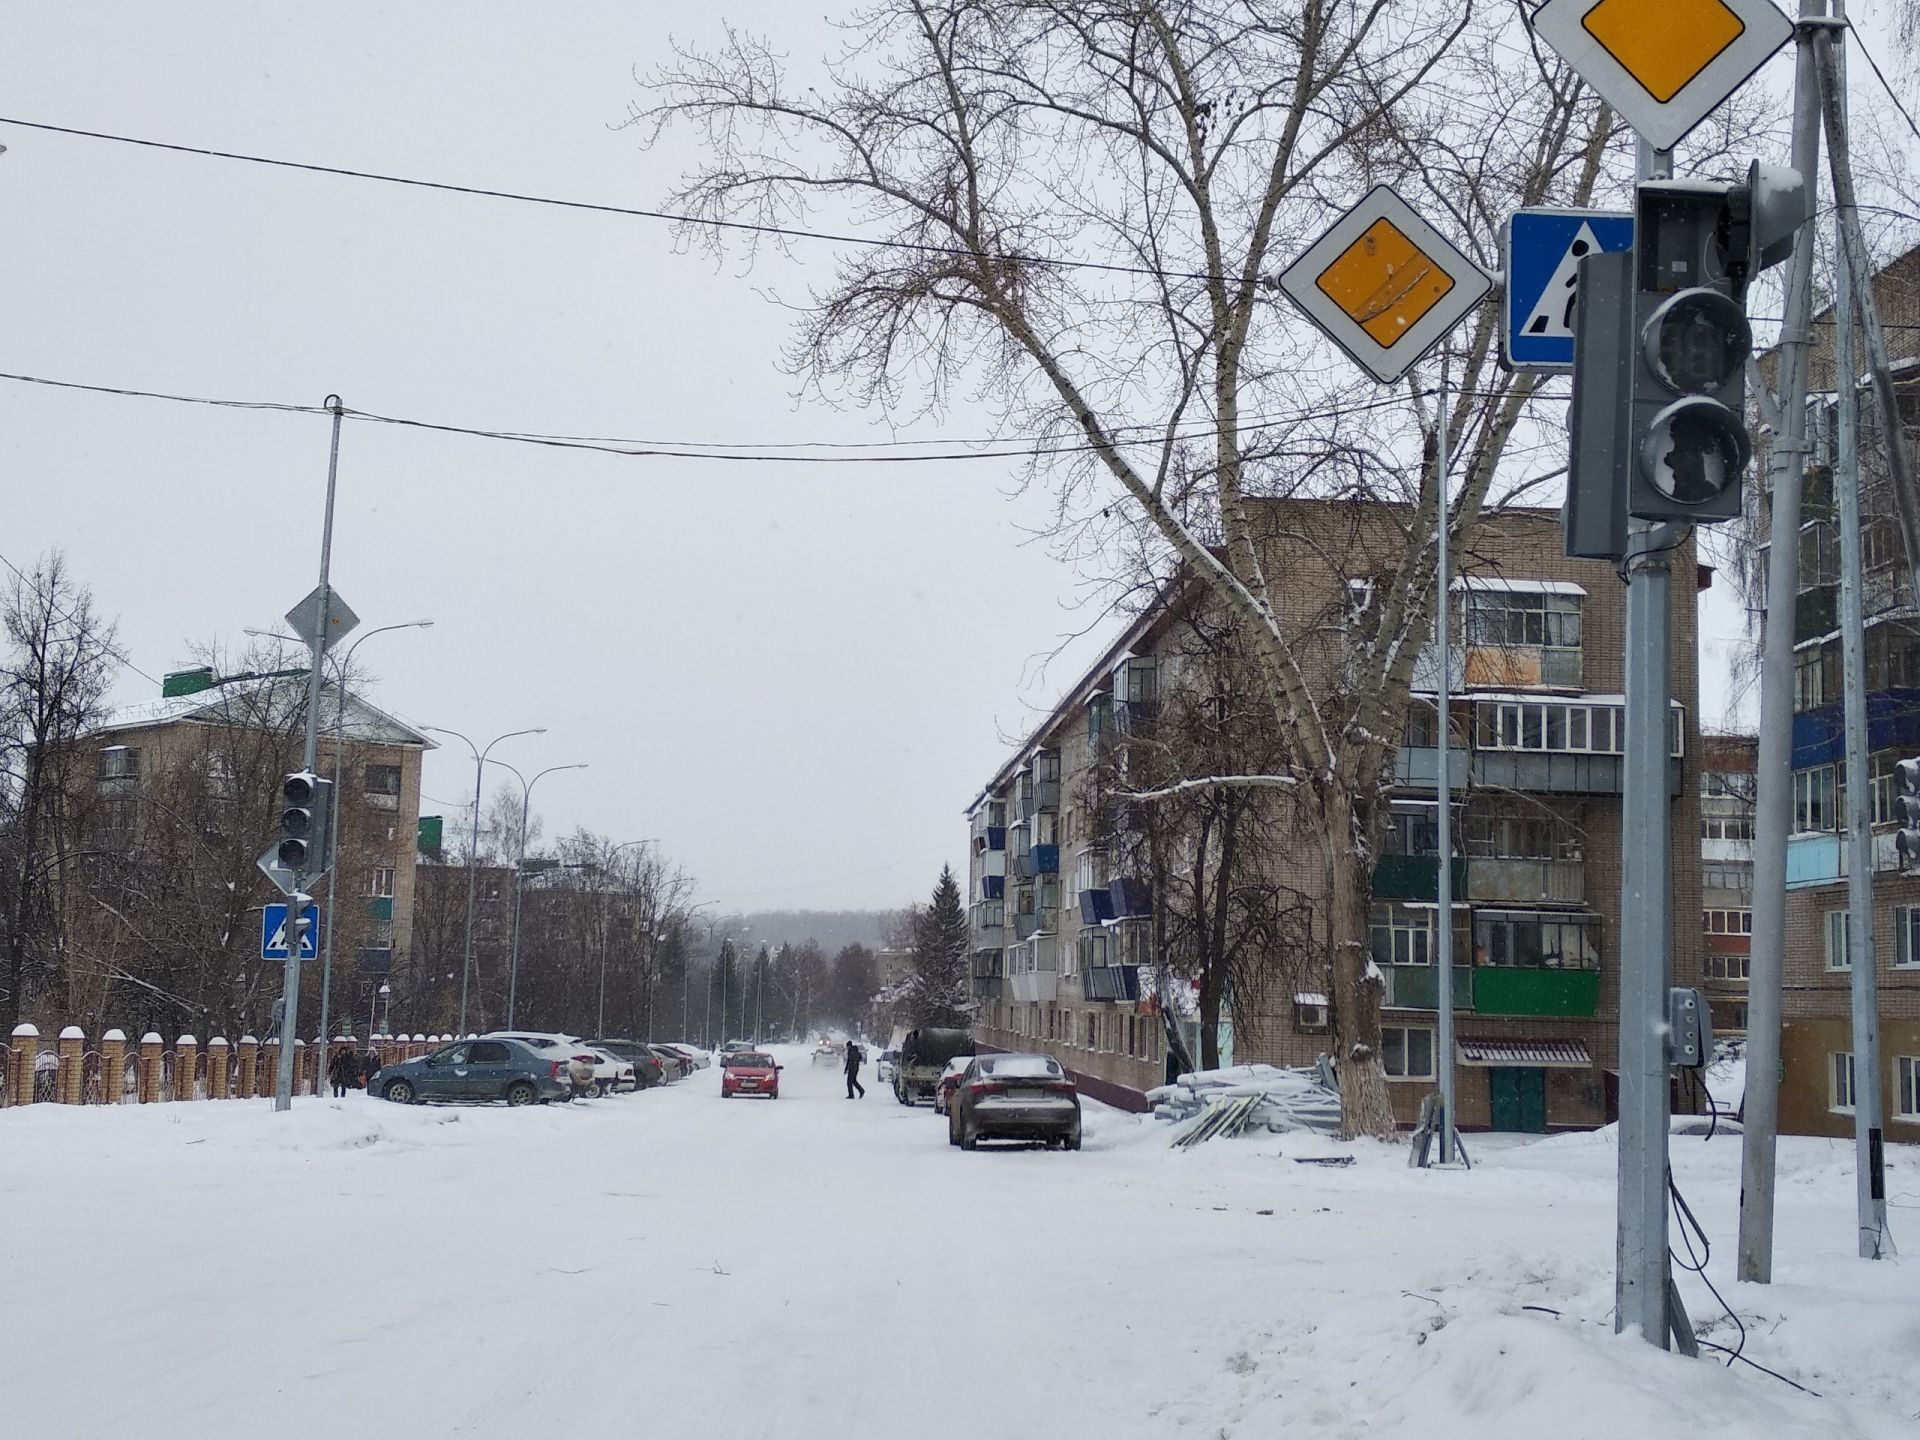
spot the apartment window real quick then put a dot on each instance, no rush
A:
(1088, 1038)
(1406, 1051)
(1093, 948)
(1839, 930)
(1906, 1073)
(1841, 1070)
(1727, 784)
(380, 882)
(1906, 937)
(1548, 624)
(1559, 726)
(1134, 681)
(1813, 678)
(1881, 782)
(1726, 877)
(1819, 555)
(1423, 725)
(1413, 832)
(1526, 939)
(1130, 942)
(1400, 935)
(119, 762)
(1046, 827)
(383, 786)
(1725, 967)
(1046, 767)
(1093, 872)
(1522, 832)
(1099, 718)
(1729, 922)
(1813, 800)
(1727, 827)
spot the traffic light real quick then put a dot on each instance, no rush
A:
(1906, 809)
(306, 801)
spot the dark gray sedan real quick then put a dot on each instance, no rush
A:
(476, 1071)
(1014, 1097)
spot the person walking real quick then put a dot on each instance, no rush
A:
(854, 1057)
(342, 1071)
(369, 1063)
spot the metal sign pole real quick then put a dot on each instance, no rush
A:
(1773, 795)
(290, 996)
(1443, 893)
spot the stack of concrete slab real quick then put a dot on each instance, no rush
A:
(1281, 1098)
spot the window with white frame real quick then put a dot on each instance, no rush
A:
(1906, 937)
(1814, 807)
(1548, 624)
(1841, 1072)
(1727, 784)
(1406, 1052)
(1728, 922)
(1726, 967)
(1906, 1074)
(1542, 939)
(1400, 935)
(380, 882)
(1839, 930)
(1726, 827)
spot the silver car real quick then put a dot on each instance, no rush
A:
(1014, 1097)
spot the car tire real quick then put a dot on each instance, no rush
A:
(953, 1127)
(521, 1092)
(1071, 1141)
(969, 1140)
(400, 1092)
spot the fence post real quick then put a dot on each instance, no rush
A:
(300, 1067)
(217, 1068)
(186, 1051)
(270, 1070)
(152, 1048)
(26, 1051)
(113, 1067)
(72, 1047)
(249, 1062)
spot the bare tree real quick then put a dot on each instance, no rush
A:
(54, 677)
(1082, 203)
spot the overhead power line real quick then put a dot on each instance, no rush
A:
(786, 232)
(688, 450)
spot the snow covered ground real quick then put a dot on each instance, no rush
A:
(813, 1267)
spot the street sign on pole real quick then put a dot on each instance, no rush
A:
(1543, 251)
(273, 933)
(341, 621)
(1384, 285)
(1663, 65)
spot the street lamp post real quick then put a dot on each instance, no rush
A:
(340, 672)
(519, 865)
(473, 843)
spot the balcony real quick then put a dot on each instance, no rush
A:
(380, 907)
(1024, 925)
(375, 960)
(1415, 877)
(1893, 723)
(1045, 859)
(1417, 987)
(988, 934)
(988, 987)
(1095, 906)
(1110, 982)
(1523, 990)
(1034, 987)
(1816, 612)
(993, 887)
(1527, 882)
(992, 862)
(1131, 899)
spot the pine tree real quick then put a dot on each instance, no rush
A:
(938, 994)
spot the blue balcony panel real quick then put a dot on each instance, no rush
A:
(1045, 859)
(1095, 906)
(1893, 723)
(1131, 899)
(993, 887)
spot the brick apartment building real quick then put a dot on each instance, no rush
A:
(1063, 946)
(1727, 765)
(1817, 1087)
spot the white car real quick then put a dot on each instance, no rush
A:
(697, 1059)
(623, 1076)
(585, 1068)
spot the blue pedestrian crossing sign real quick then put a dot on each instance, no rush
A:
(273, 933)
(1543, 252)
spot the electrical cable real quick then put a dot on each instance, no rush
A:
(1689, 1227)
(486, 192)
(117, 654)
(1860, 41)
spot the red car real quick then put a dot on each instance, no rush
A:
(949, 1081)
(749, 1072)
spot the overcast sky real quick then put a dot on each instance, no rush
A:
(796, 676)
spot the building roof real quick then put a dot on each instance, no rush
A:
(264, 700)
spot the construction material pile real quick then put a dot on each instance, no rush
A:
(1247, 1097)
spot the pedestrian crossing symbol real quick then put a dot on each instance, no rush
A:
(1543, 253)
(273, 933)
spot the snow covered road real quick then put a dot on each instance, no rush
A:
(815, 1267)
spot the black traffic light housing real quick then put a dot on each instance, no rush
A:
(306, 803)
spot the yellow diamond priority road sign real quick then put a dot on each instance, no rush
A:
(1663, 65)
(1384, 285)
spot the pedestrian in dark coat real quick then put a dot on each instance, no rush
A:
(343, 1072)
(854, 1057)
(369, 1063)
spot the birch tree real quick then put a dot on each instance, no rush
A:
(1083, 204)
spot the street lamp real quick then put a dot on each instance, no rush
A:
(340, 670)
(383, 999)
(473, 842)
(526, 799)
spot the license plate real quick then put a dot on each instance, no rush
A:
(1026, 1094)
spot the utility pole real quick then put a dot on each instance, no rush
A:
(1869, 1159)
(298, 901)
(1443, 894)
(1773, 797)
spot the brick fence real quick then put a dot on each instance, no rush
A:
(66, 1071)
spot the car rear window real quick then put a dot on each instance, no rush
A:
(1022, 1067)
(752, 1060)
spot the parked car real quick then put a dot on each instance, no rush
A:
(949, 1078)
(888, 1066)
(625, 1077)
(749, 1072)
(671, 1061)
(647, 1068)
(584, 1067)
(697, 1059)
(1014, 1097)
(487, 1069)
(923, 1055)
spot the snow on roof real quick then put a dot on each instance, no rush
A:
(1563, 1053)
(1518, 587)
(1310, 997)
(263, 699)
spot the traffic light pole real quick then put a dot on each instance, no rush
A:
(297, 903)
(1869, 1159)
(1773, 800)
